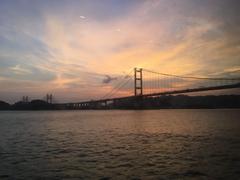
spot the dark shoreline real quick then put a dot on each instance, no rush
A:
(147, 109)
(162, 102)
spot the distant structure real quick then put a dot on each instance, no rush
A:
(25, 99)
(49, 98)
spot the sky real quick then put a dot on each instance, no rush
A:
(78, 49)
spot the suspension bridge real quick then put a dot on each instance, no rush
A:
(142, 83)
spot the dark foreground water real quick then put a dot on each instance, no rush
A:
(159, 144)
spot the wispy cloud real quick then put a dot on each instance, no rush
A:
(19, 70)
(109, 79)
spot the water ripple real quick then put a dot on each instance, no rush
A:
(88, 145)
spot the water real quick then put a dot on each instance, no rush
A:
(159, 144)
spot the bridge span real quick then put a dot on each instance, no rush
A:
(141, 90)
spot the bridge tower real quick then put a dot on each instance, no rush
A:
(49, 98)
(138, 85)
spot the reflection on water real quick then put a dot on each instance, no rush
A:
(159, 144)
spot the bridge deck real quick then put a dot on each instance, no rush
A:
(201, 89)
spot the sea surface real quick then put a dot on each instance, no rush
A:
(151, 144)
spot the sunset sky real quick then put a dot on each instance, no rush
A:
(67, 47)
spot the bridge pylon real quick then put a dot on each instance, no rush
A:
(138, 82)
(49, 98)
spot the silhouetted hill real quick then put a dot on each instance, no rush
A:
(180, 101)
(4, 105)
(20, 105)
(223, 101)
(40, 104)
(33, 105)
